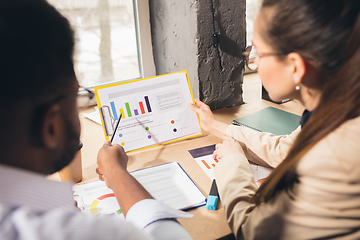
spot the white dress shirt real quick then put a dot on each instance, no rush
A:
(34, 208)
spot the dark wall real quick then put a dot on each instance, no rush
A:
(182, 40)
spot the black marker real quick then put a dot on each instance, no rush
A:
(116, 128)
(213, 197)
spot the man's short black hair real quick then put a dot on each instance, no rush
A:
(36, 50)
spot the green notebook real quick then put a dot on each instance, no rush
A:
(271, 120)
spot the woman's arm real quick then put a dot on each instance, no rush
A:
(263, 148)
(207, 119)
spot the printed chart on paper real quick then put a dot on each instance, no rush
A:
(154, 110)
(204, 158)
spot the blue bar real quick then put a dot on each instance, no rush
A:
(114, 110)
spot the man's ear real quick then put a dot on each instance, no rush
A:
(299, 67)
(52, 127)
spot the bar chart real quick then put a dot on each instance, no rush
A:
(210, 164)
(131, 111)
(153, 111)
(203, 157)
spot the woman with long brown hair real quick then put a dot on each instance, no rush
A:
(307, 50)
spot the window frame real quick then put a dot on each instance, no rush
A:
(143, 38)
(143, 43)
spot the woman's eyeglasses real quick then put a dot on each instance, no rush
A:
(250, 57)
(250, 54)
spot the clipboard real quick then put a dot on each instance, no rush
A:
(167, 183)
(154, 111)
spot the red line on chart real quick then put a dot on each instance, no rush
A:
(106, 196)
(206, 165)
(217, 161)
(213, 165)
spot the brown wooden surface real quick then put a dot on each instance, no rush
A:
(205, 224)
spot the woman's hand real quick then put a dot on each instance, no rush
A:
(207, 119)
(111, 160)
(228, 146)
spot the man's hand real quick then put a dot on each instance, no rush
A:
(111, 159)
(112, 162)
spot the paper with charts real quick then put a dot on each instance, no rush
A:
(154, 110)
(203, 156)
(167, 183)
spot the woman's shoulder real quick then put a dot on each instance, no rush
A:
(337, 153)
(329, 177)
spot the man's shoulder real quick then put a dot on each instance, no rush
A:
(63, 223)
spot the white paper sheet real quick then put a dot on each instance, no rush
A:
(167, 183)
(94, 116)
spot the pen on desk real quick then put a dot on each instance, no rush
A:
(213, 197)
(116, 128)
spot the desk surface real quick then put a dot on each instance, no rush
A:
(205, 224)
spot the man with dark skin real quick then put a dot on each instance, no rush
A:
(40, 132)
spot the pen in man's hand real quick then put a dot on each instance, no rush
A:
(116, 128)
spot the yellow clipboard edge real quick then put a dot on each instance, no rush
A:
(137, 80)
(192, 96)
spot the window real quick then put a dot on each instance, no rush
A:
(252, 8)
(107, 34)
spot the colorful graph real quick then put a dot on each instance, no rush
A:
(205, 164)
(209, 162)
(94, 205)
(129, 111)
